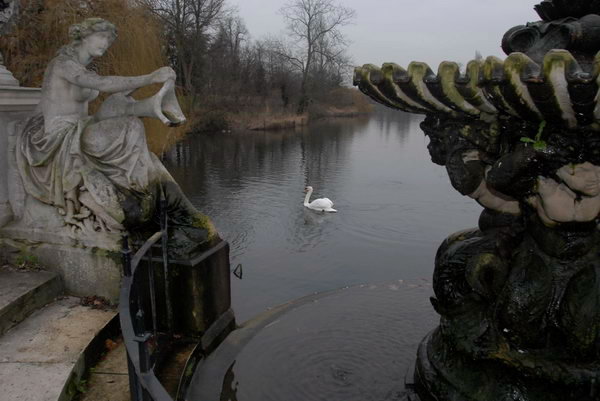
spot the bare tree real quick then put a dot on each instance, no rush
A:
(283, 71)
(227, 55)
(314, 29)
(188, 23)
(234, 33)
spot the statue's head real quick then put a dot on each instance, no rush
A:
(95, 33)
(78, 32)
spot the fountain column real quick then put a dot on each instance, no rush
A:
(518, 296)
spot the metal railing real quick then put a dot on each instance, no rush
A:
(154, 321)
(145, 332)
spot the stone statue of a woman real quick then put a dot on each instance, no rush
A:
(96, 170)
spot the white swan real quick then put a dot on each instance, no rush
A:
(321, 204)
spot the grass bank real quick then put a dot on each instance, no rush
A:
(269, 114)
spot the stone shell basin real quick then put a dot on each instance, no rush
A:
(560, 91)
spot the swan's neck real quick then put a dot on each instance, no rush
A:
(307, 197)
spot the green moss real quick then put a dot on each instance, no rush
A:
(473, 69)
(557, 59)
(492, 68)
(364, 76)
(516, 63)
(75, 387)
(466, 131)
(494, 129)
(27, 260)
(448, 73)
(514, 67)
(116, 257)
(203, 222)
(417, 72)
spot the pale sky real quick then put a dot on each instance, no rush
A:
(401, 31)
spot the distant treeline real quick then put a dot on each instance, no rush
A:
(226, 79)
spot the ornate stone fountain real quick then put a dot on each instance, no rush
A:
(519, 296)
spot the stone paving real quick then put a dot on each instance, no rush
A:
(41, 354)
(108, 380)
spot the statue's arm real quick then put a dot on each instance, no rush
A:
(78, 75)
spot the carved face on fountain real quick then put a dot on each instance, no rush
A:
(437, 150)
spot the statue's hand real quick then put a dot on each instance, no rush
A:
(163, 75)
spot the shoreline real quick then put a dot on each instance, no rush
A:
(230, 122)
(274, 122)
(215, 118)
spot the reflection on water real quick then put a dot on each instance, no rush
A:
(395, 206)
(352, 344)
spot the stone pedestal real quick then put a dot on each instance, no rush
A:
(84, 271)
(86, 267)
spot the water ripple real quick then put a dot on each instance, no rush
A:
(352, 345)
(395, 206)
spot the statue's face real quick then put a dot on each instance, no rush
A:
(437, 150)
(97, 43)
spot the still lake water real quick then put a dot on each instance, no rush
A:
(394, 205)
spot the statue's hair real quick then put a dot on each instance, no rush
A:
(90, 26)
(77, 32)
